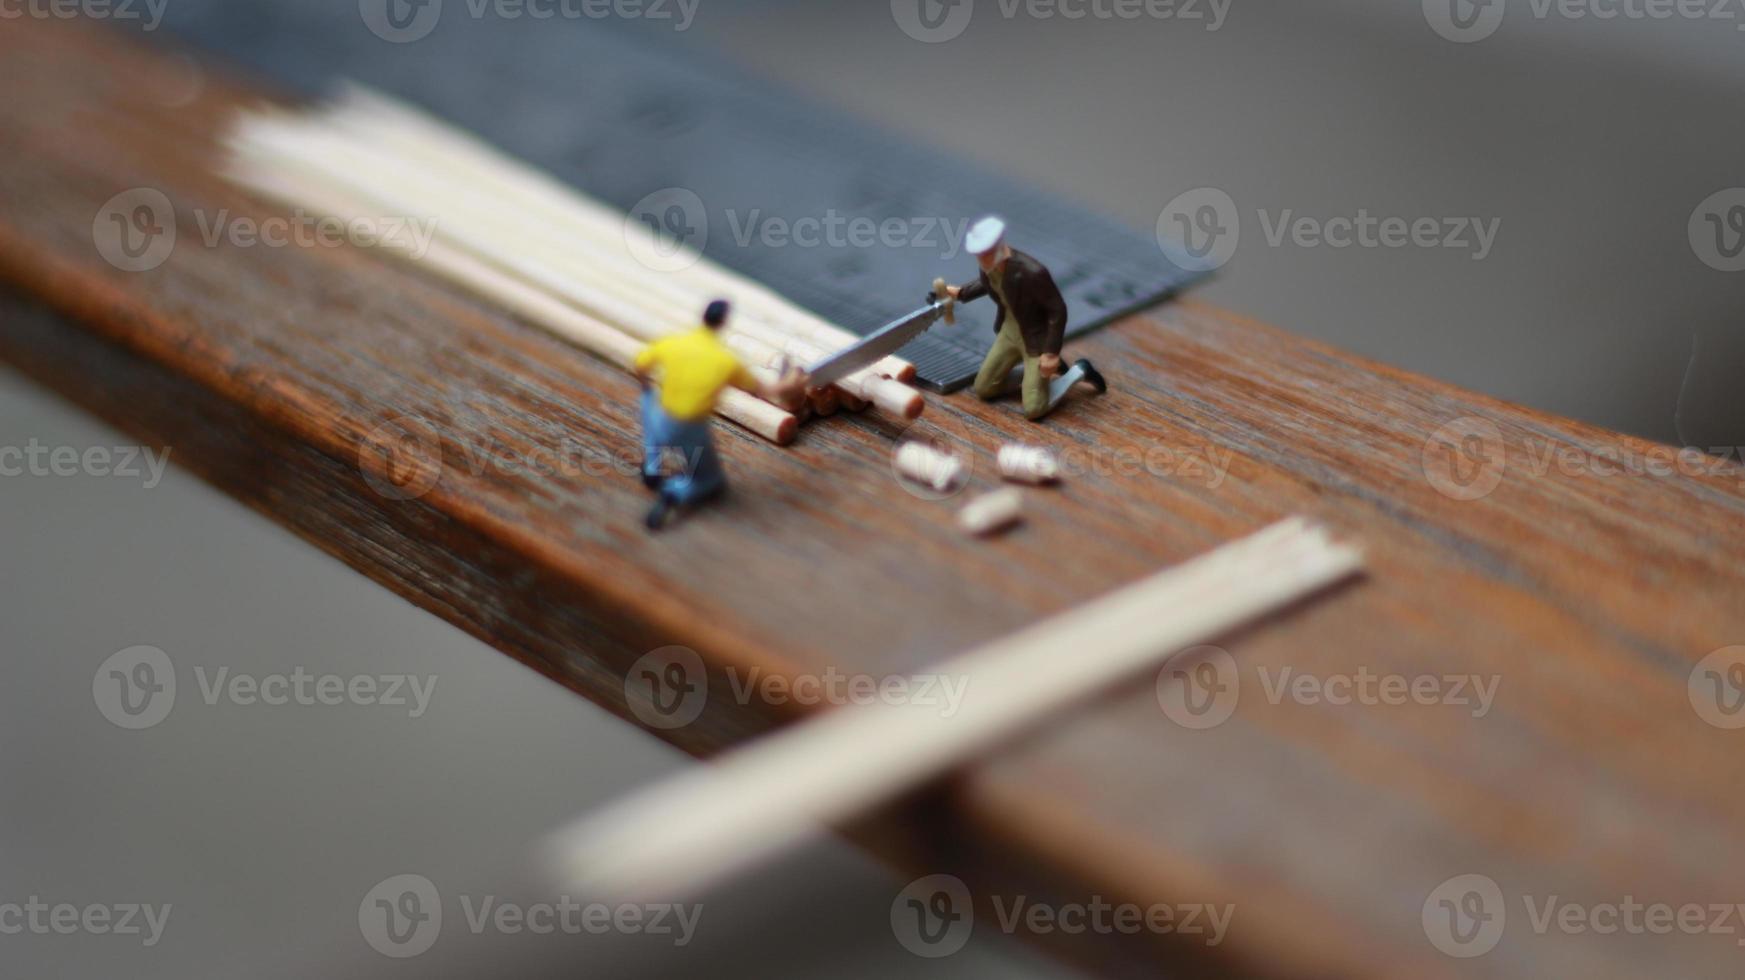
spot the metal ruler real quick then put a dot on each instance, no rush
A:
(841, 217)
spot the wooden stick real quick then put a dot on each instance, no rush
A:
(754, 414)
(756, 802)
(618, 287)
(439, 146)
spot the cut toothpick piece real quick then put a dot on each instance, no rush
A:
(756, 802)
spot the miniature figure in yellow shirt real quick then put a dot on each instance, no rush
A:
(688, 372)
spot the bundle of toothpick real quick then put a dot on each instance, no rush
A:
(524, 241)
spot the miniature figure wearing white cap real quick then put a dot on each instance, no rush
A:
(1029, 326)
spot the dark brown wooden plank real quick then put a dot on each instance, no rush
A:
(1588, 596)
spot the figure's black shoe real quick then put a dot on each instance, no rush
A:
(652, 481)
(657, 514)
(1092, 375)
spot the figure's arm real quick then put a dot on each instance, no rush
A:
(786, 392)
(969, 291)
(646, 360)
(1054, 310)
(743, 379)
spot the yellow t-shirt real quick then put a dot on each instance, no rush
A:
(691, 369)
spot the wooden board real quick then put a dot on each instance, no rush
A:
(1588, 595)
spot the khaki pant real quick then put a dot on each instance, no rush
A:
(1040, 396)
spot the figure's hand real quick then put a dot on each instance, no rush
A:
(788, 391)
(1050, 365)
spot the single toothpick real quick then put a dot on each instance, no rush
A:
(756, 802)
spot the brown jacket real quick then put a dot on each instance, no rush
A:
(1036, 303)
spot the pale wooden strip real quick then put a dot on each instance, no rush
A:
(755, 802)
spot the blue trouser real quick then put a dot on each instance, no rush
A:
(687, 445)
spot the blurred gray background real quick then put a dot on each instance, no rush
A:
(1590, 143)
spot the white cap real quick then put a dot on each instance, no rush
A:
(984, 236)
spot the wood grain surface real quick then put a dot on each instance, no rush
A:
(323, 385)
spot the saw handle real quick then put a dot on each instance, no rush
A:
(940, 293)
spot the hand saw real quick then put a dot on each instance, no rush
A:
(885, 340)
